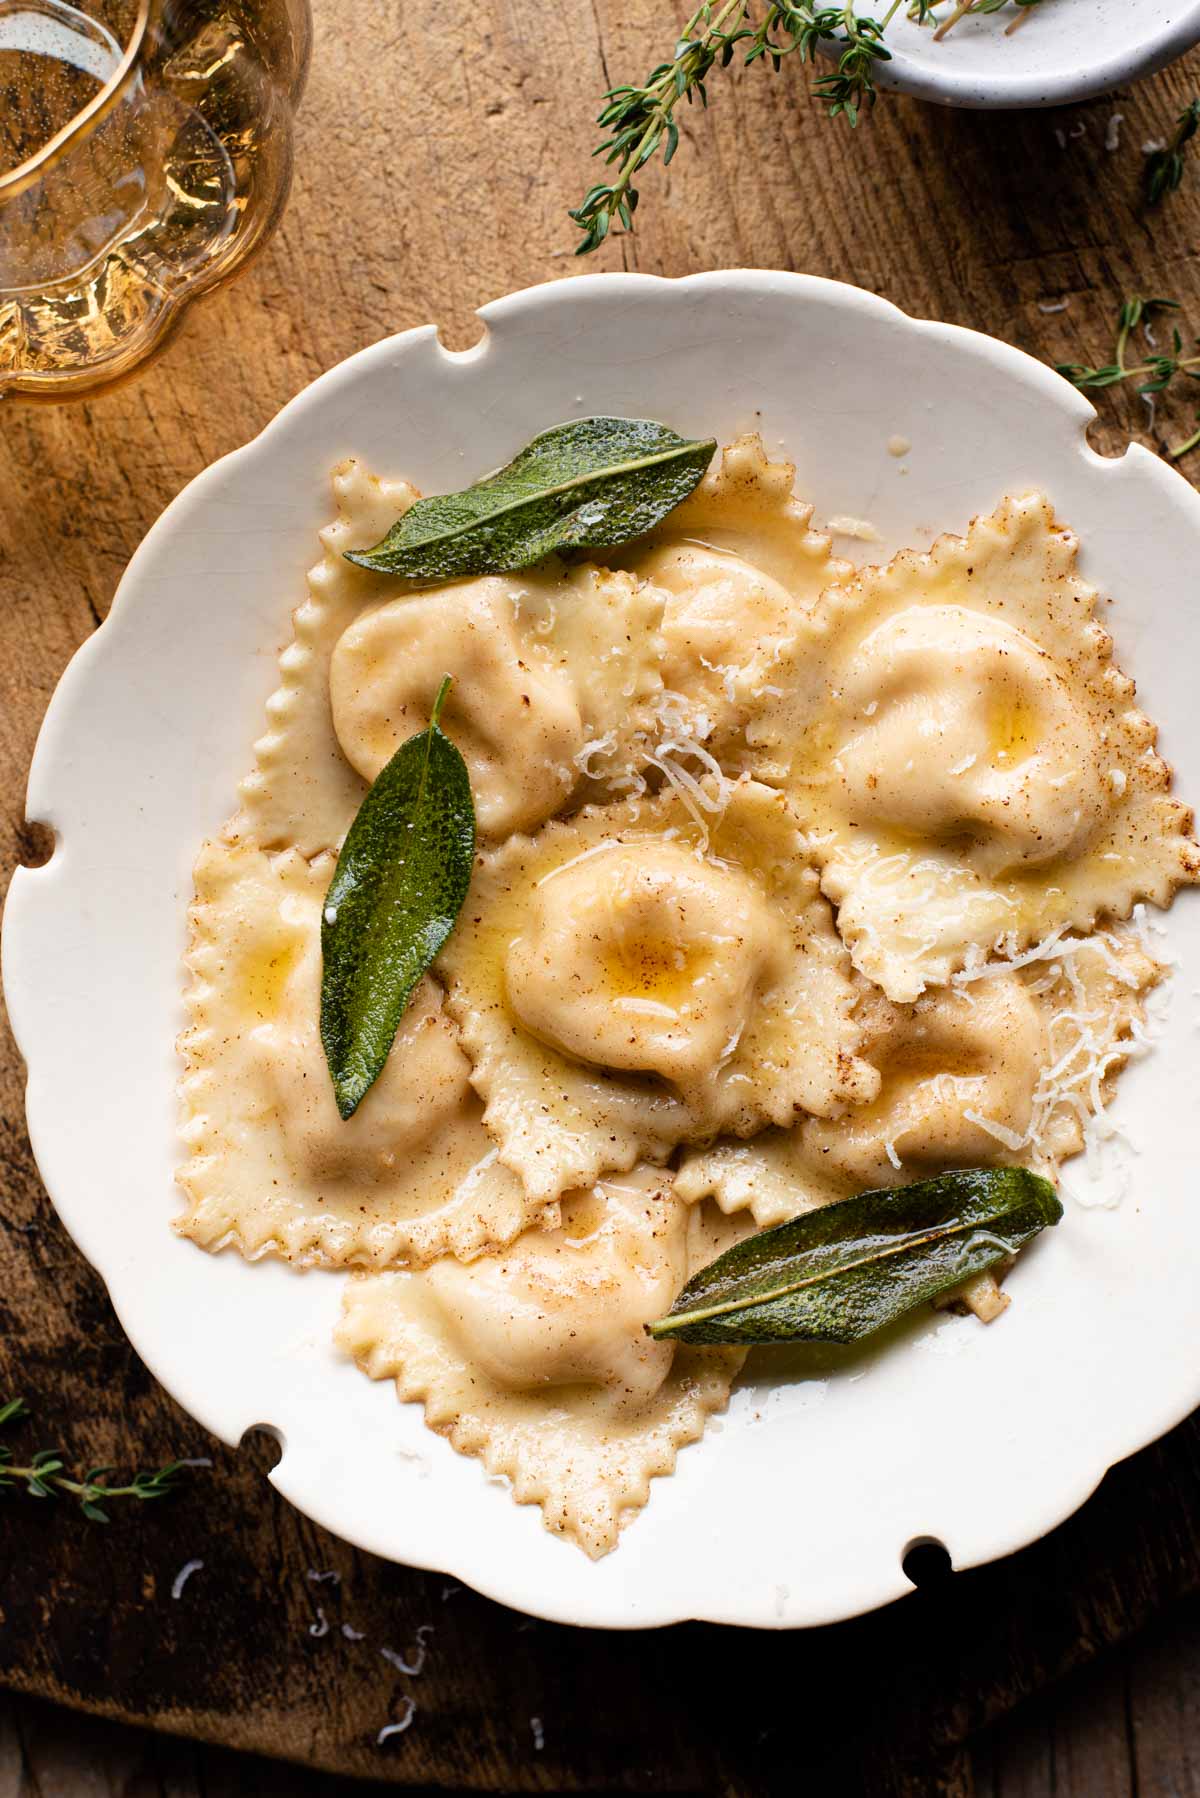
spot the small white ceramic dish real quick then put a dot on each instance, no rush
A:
(798, 1506)
(1063, 51)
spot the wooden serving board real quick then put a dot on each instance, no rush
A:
(438, 151)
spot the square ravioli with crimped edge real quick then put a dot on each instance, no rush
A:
(635, 977)
(966, 757)
(548, 666)
(1006, 1066)
(272, 1168)
(537, 1362)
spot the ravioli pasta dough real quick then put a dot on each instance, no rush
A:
(272, 1168)
(302, 792)
(967, 758)
(738, 563)
(1007, 1068)
(629, 980)
(791, 882)
(542, 666)
(538, 1364)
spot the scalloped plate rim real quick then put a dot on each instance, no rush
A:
(1060, 1497)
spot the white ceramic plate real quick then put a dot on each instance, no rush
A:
(798, 1507)
(1064, 51)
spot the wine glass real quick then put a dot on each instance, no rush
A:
(145, 152)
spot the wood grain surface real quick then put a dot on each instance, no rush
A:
(438, 149)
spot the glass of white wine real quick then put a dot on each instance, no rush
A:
(145, 152)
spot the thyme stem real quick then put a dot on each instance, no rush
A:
(44, 1476)
(1154, 375)
(667, 93)
(641, 120)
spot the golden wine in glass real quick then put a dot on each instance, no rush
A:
(145, 152)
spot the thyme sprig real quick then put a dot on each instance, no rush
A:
(1152, 376)
(640, 121)
(1164, 168)
(45, 1476)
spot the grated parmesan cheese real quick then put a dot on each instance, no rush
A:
(1091, 1035)
(1001, 1132)
(979, 968)
(860, 530)
(183, 1576)
(674, 745)
(413, 1667)
(728, 672)
(397, 1729)
(582, 759)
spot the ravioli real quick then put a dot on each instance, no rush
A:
(966, 757)
(550, 669)
(1006, 1067)
(747, 505)
(738, 561)
(629, 979)
(537, 1362)
(272, 1168)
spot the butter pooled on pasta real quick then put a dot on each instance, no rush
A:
(642, 957)
(1007, 756)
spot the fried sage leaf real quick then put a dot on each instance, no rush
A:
(589, 484)
(395, 896)
(836, 1274)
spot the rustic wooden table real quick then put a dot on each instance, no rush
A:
(438, 150)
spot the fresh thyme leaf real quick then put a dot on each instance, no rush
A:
(588, 484)
(1164, 169)
(838, 1273)
(395, 896)
(44, 1477)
